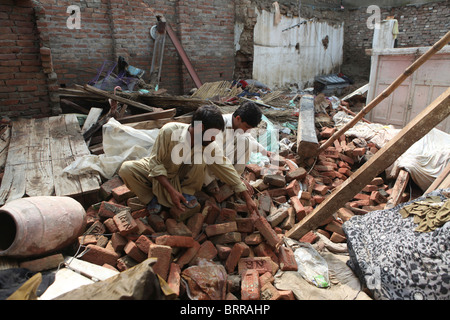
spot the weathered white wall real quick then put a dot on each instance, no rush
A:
(297, 55)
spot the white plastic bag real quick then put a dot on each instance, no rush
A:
(312, 267)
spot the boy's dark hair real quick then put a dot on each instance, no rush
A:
(249, 113)
(210, 116)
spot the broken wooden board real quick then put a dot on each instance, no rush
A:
(307, 143)
(169, 113)
(398, 189)
(38, 152)
(431, 116)
(157, 124)
(440, 182)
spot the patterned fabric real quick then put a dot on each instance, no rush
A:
(395, 261)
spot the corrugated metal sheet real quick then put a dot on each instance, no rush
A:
(297, 55)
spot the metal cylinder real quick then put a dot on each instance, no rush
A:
(39, 225)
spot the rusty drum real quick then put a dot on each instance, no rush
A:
(39, 225)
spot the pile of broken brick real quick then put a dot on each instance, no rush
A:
(121, 233)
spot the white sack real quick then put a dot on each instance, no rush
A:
(120, 143)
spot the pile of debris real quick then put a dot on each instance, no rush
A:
(121, 233)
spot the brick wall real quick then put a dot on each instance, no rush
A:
(419, 25)
(120, 28)
(206, 30)
(109, 29)
(23, 84)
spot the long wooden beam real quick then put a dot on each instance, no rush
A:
(431, 116)
(386, 93)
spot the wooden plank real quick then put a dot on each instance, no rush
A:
(89, 182)
(436, 183)
(445, 184)
(156, 124)
(169, 113)
(398, 189)
(307, 143)
(92, 118)
(431, 116)
(39, 176)
(13, 183)
(62, 156)
(118, 98)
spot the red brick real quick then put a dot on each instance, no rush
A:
(347, 159)
(125, 222)
(176, 228)
(174, 278)
(234, 256)
(347, 172)
(164, 256)
(207, 251)
(118, 242)
(327, 132)
(331, 152)
(223, 251)
(141, 213)
(143, 243)
(377, 197)
(134, 252)
(226, 215)
(344, 214)
(41, 264)
(175, 241)
(250, 285)
(370, 188)
(109, 210)
(298, 208)
(98, 255)
(293, 188)
(111, 225)
(195, 224)
(211, 211)
(263, 226)
(255, 169)
(229, 237)
(377, 181)
(157, 223)
(107, 187)
(310, 237)
(298, 174)
(188, 254)
(359, 152)
(253, 239)
(361, 196)
(266, 278)
(269, 292)
(287, 259)
(286, 295)
(245, 225)
(337, 238)
(276, 192)
(221, 228)
(335, 226)
(224, 193)
(143, 228)
(260, 264)
(321, 189)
